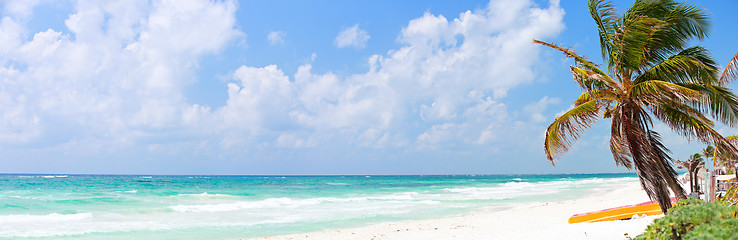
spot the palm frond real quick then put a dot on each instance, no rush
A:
(683, 22)
(691, 124)
(684, 120)
(603, 13)
(720, 102)
(691, 65)
(578, 60)
(631, 43)
(568, 127)
(730, 72)
(725, 153)
(662, 169)
(654, 89)
(602, 95)
(618, 144)
(589, 80)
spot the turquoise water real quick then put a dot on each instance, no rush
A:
(232, 207)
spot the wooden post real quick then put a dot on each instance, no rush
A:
(712, 185)
(708, 196)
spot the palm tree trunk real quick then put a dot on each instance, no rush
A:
(667, 172)
(691, 180)
(648, 159)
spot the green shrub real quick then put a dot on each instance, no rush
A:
(718, 229)
(695, 220)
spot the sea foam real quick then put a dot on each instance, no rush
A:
(135, 207)
(240, 205)
(54, 217)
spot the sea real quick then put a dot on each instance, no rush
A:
(58, 206)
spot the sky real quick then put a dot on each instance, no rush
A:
(301, 87)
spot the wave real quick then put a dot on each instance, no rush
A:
(204, 195)
(54, 217)
(515, 189)
(43, 176)
(498, 191)
(285, 202)
(241, 205)
(338, 184)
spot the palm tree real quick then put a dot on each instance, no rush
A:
(709, 152)
(650, 73)
(724, 160)
(693, 164)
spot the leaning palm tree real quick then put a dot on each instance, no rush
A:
(650, 73)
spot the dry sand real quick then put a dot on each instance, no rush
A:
(537, 221)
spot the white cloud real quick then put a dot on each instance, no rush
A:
(445, 85)
(117, 75)
(259, 102)
(448, 80)
(10, 35)
(352, 37)
(276, 37)
(535, 110)
(19, 8)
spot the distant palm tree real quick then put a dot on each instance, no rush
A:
(709, 152)
(693, 164)
(650, 73)
(724, 160)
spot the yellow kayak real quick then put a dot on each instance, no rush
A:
(619, 213)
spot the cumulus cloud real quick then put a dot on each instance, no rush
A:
(352, 37)
(19, 8)
(276, 37)
(119, 76)
(448, 79)
(535, 110)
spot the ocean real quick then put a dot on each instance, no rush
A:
(233, 207)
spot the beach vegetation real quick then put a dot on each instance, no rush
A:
(709, 152)
(724, 161)
(695, 219)
(650, 72)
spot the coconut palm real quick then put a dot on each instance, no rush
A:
(650, 73)
(709, 152)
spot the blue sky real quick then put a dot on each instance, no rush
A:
(300, 87)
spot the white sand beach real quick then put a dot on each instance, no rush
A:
(538, 221)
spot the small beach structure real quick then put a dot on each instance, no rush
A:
(724, 182)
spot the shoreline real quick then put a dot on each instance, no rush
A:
(546, 220)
